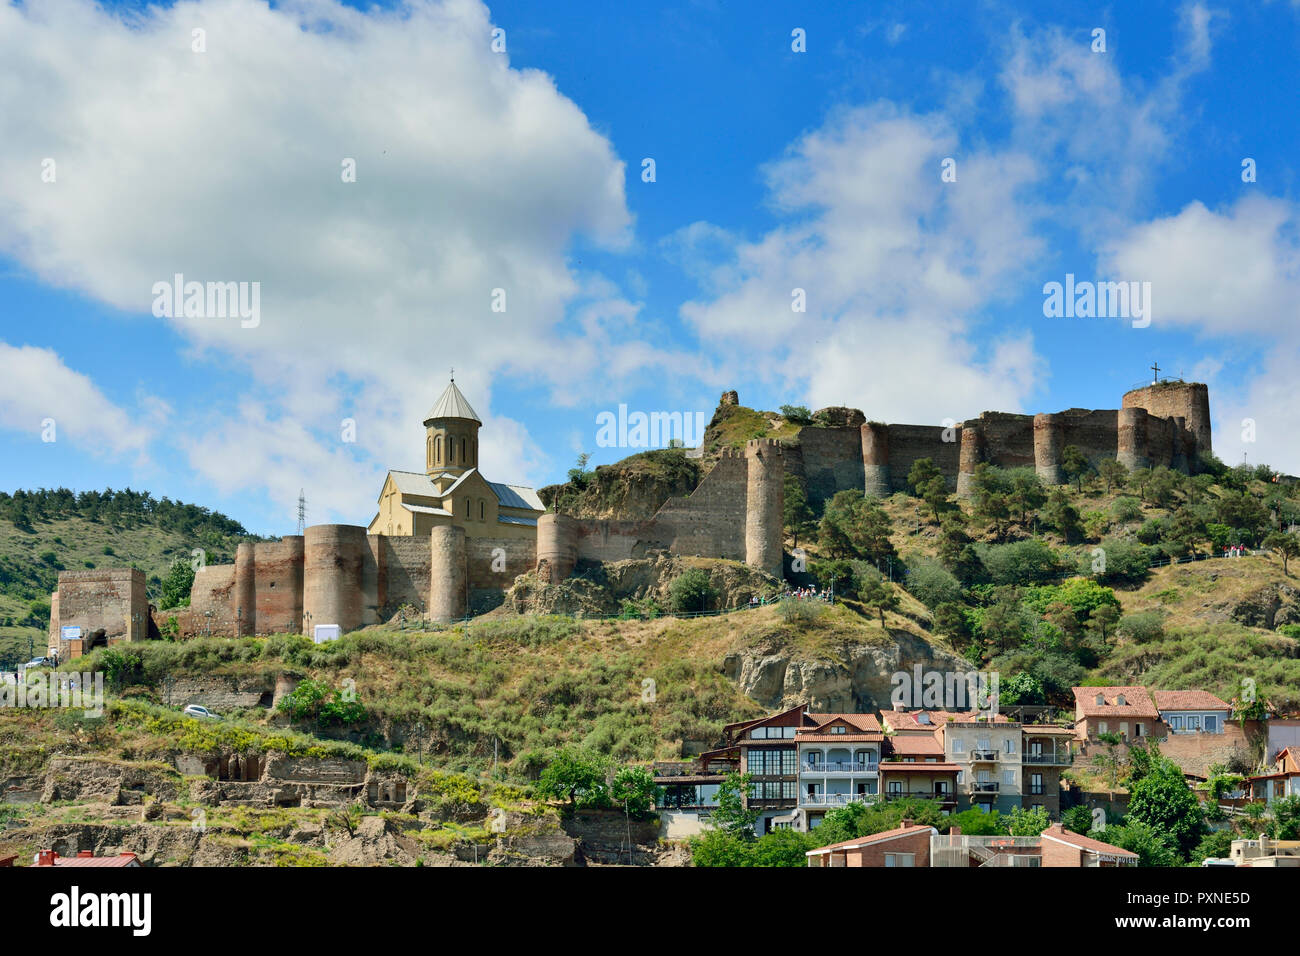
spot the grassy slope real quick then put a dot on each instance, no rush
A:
(79, 544)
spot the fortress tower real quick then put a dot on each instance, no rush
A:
(1189, 401)
(972, 453)
(1049, 443)
(557, 547)
(1132, 446)
(764, 504)
(875, 460)
(448, 575)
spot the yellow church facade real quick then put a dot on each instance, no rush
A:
(451, 490)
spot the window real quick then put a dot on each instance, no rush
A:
(1036, 784)
(839, 730)
(900, 859)
(1101, 727)
(1211, 724)
(894, 787)
(1008, 778)
(1138, 730)
(437, 449)
(482, 510)
(957, 745)
(983, 744)
(1194, 723)
(1099, 700)
(467, 512)
(1008, 746)
(1175, 723)
(1120, 701)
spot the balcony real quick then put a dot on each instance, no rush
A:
(840, 766)
(982, 791)
(984, 756)
(836, 799)
(1049, 759)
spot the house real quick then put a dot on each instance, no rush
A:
(1264, 853)
(1282, 781)
(1127, 711)
(1192, 711)
(915, 764)
(839, 760)
(1045, 752)
(988, 749)
(1054, 847)
(86, 858)
(908, 845)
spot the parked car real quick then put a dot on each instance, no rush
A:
(199, 712)
(37, 662)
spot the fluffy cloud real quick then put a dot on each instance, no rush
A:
(1233, 276)
(225, 165)
(893, 262)
(35, 385)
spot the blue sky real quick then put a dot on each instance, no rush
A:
(479, 170)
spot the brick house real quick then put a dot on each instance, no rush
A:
(907, 845)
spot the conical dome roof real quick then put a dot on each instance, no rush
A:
(452, 404)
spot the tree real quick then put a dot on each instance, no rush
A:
(1027, 493)
(1103, 620)
(1077, 819)
(575, 776)
(928, 484)
(796, 515)
(692, 590)
(991, 498)
(1075, 465)
(796, 414)
(1031, 822)
(1021, 688)
(1153, 847)
(176, 586)
(634, 788)
(1112, 472)
(1163, 801)
(879, 594)
(1063, 516)
(1109, 761)
(731, 815)
(854, 526)
(1285, 546)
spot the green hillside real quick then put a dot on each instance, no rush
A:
(47, 531)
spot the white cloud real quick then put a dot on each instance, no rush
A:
(36, 385)
(1233, 277)
(893, 262)
(226, 166)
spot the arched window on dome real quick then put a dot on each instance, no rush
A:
(437, 449)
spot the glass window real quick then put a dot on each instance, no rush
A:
(1211, 724)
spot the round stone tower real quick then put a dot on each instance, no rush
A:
(557, 547)
(451, 434)
(972, 453)
(245, 589)
(1132, 445)
(875, 460)
(333, 558)
(1049, 444)
(448, 574)
(1187, 400)
(764, 504)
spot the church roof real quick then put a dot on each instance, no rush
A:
(452, 404)
(508, 496)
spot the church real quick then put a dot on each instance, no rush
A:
(451, 490)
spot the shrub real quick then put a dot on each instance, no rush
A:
(932, 583)
(691, 591)
(1143, 627)
(1126, 508)
(1022, 563)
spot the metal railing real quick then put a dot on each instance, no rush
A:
(836, 799)
(840, 766)
(985, 787)
(1062, 759)
(984, 756)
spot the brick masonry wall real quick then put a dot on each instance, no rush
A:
(111, 600)
(831, 460)
(907, 443)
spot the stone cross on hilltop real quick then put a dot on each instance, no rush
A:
(1155, 370)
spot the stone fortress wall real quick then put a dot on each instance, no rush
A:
(736, 511)
(340, 574)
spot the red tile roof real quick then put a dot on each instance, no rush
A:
(873, 838)
(916, 746)
(122, 859)
(1189, 700)
(1137, 702)
(1062, 835)
(806, 737)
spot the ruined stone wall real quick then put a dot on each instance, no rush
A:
(1008, 439)
(112, 600)
(212, 601)
(908, 443)
(831, 461)
(1094, 432)
(710, 522)
(492, 566)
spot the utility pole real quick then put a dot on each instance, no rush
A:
(302, 511)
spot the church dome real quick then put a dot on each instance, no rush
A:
(452, 404)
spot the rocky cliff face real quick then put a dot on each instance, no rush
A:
(601, 590)
(850, 677)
